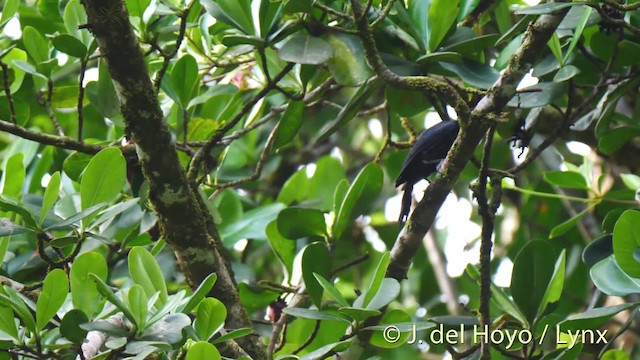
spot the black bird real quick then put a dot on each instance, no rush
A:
(424, 158)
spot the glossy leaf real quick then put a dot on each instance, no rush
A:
(209, 318)
(284, 248)
(392, 317)
(577, 33)
(137, 7)
(306, 49)
(50, 195)
(626, 240)
(364, 190)
(69, 45)
(54, 292)
(331, 290)
(442, 14)
(554, 290)
(7, 323)
(184, 79)
(532, 271)
(315, 259)
(232, 12)
(145, 271)
(593, 318)
(289, 124)
(296, 222)
(37, 45)
(252, 224)
(70, 326)
(200, 293)
(103, 178)
(12, 299)
(137, 303)
(84, 293)
(611, 280)
(13, 176)
(312, 314)
(203, 350)
(376, 281)
(566, 226)
(347, 65)
(544, 8)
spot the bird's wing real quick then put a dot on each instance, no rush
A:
(434, 139)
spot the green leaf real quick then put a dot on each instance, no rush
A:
(8, 323)
(252, 224)
(501, 299)
(593, 318)
(103, 178)
(84, 293)
(474, 73)
(565, 73)
(442, 15)
(569, 179)
(322, 351)
(358, 314)
(37, 45)
(28, 68)
(102, 95)
(390, 318)
(54, 292)
(626, 239)
(577, 33)
(235, 13)
(106, 291)
(315, 259)
(20, 209)
(12, 299)
(209, 318)
(75, 218)
(201, 292)
(541, 94)
(233, 334)
(532, 271)
(4, 245)
(74, 16)
(49, 10)
(70, 326)
(359, 198)
(376, 280)
(306, 49)
(203, 350)
(284, 248)
(296, 222)
(347, 65)
(564, 227)
(631, 181)
(8, 10)
(331, 290)
(50, 195)
(545, 8)
(137, 303)
(611, 280)
(598, 250)
(406, 102)
(8, 227)
(614, 140)
(168, 330)
(444, 56)
(289, 124)
(615, 354)
(350, 110)
(554, 290)
(556, 47)
(313, 314)
(69, 45)
(137, 7)
(13, 176)
(184, 79)
(146, 272)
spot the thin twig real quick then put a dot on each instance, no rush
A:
(7, 91)
(168, 56)
(385, 12)
(83, 67)
(309, 340)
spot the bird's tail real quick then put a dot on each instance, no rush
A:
(406, 204)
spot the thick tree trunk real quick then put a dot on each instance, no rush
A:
(183, 221)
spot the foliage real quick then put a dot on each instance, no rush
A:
(289, 122)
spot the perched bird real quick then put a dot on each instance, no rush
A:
(424, 159)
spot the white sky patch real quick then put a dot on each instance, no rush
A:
(90, 75)
(517, 158)
(310, 170)
(431, 119)
(336, 153)
(240, 245)
(375, 127)
(462, 246)
(373, 238)
(527, 80)
(532, 2)
(392, 207)
(62, 58)
(452, 112)
(12, 29)
(45, 180)
(579, 148)
(502, 277)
